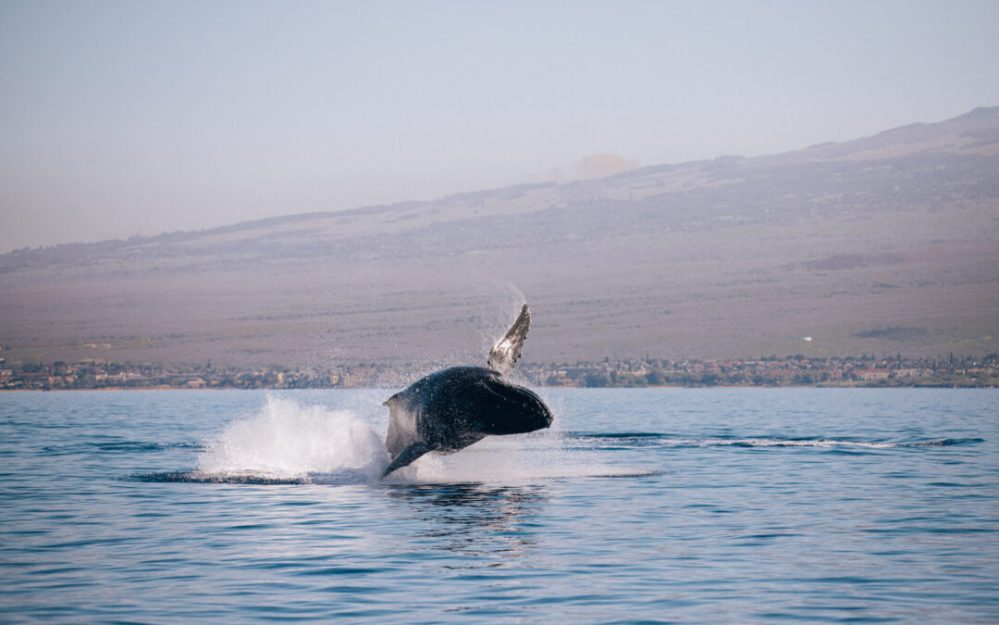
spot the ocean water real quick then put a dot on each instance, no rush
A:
(639, 506)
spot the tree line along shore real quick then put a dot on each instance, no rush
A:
(849, 371)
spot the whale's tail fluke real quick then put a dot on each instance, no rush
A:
(506, 352)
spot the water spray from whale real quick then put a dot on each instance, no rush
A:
(442, 412)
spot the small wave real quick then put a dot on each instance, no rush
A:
(342, 478)
(816, 442)
(116, 447)
(195, 477)
(415, 476)
(945, 442)
(640, 439)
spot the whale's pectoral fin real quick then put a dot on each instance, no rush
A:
(406, 456)
(506, 352)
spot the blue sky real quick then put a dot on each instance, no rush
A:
(122, 118)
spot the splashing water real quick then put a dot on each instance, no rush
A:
(289, 440)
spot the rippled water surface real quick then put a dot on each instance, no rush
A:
(659, 505)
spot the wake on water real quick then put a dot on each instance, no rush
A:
(289, 443)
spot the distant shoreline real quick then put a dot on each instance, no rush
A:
(170, 389)
(768, 372)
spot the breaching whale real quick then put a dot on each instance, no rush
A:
(450, 409)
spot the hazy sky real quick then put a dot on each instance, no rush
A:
(120, 118)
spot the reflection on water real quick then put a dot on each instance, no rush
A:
(493, 523)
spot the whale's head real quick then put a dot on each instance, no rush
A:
(507, 408)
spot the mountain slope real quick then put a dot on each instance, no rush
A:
(882, 244)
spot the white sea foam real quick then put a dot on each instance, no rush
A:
(510, 459)
(286, 440)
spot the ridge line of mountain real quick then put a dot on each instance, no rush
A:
(375, 209)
